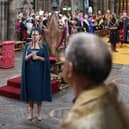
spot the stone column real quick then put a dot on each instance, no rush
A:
(36, 5)
(60, 1)
(44, 5)
(72, 5)
(3, 19)
(105, 6)
(95, 4)
(112, 6)
(12, 20)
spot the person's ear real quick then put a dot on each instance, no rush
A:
(70, 69)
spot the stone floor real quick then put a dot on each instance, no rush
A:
(13, 112)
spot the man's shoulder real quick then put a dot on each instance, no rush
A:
(101, 119)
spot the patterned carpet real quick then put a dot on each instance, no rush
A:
(122, 56)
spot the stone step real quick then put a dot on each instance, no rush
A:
(10, 92)
(12, 89)
(15, 82)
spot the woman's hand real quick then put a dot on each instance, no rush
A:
(35, 57)
(28, 56)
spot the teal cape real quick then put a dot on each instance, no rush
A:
(47, 90)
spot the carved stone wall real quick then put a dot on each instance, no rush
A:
(8, 12)
(3, 19)
(7, 20)
(122, 5)
(12, 20)
(103, 5)
(43, 4)
(24, 4)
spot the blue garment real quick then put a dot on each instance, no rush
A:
(91, 27)
(36, 84)
(38, 28)
(126, 29)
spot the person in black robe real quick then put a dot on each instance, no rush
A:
(114, 33)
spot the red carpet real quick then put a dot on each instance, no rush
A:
(12, 89)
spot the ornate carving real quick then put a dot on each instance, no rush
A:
(53, 35)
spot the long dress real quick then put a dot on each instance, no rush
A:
(35, 84)
(34, 77)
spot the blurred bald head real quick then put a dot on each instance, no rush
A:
(90, 57)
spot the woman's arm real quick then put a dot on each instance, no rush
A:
(35, 57)
(27, 57)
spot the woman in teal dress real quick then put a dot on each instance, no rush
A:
(35, 86)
